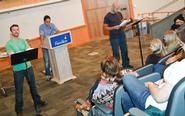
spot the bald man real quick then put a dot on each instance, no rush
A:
(117, 37)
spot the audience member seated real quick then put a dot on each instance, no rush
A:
(171, 42)
(171, 45)
(178, 21)
(103, 90)
(153, 94)
(178, 55)
(159, 67)
(156, 46)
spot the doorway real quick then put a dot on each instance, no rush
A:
(96, 10)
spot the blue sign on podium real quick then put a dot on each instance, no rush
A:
(60, 39)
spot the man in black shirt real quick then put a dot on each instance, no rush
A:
(178, 21)
(112, 22)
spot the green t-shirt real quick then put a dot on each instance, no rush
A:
(15, 46)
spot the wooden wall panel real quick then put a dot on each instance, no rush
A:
(91, 4)
(4, 64)
(4, 4)
(96, 10)
(80, 36)
(101, 3)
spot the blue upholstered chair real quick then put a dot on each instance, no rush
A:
(176, 102)
(150, 68)
(117, 108)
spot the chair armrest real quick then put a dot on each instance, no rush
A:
(118, 111)
(103, 108)
(137, 112)
(165, 58)
(145, 69)
(150, 77)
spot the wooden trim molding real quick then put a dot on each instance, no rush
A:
(80, 36)
(131, 8)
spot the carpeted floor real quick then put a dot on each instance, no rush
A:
(85, 62)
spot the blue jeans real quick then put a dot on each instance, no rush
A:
(46, 61)
(119, 44)
(126, 102)
(136, 90)
(18, 81)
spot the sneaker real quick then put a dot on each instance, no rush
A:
(48, 78)
(43, 103)
(19, 114)
(38, 110)
(44, 72)
(39, 114)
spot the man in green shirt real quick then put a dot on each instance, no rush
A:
(15, 45)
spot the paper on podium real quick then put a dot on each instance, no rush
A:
(3, 54)
(29, 49)
(124, 22)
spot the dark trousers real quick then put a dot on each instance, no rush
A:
(119, 44)
(18, 80)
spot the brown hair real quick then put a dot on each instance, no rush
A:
(110, 66)
(14, 25)
(46, 17)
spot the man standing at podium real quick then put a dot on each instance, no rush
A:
(112, 22)
(45, 30)
(15, 45)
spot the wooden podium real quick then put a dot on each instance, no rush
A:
(59, 57)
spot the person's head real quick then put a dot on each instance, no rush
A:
(115, 6)
(110, 67)
(14, 29)
(156, 46)
(170, 36)
(47, 20)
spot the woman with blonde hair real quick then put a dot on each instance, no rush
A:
(157, 93)
(171, 41)
(157, 48)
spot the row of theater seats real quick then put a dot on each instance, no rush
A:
(176, 102)
(175, 107)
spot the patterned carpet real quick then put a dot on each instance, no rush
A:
(85, 62)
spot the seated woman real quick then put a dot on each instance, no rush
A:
(154, 94)
(179, 53)
(170, 41)
(157, 48)
(103, 90)
(171, 45)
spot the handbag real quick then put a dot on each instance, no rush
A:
(153, 111)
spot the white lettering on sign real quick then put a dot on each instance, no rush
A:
(60, 42)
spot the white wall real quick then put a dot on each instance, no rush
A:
(123, 4)
(148, 6)
(64, 14)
